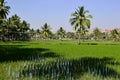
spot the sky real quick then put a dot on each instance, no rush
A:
(56, 13)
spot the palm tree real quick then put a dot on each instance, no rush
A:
(80, 21)
(32, 33)
(23, 30)
(14, 27)
(61, 33)
(17, 29)
(3, 30)
(70, 35)
(46, 30)
(114, 34)
(25, 26)
(4, 10)
(96, 33)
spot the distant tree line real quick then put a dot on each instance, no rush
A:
(96, 34)
(13, 28)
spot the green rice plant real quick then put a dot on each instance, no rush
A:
(52, 59)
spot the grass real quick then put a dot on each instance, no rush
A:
(27, 59)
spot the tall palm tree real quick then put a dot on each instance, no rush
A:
(24, 29)
(61, 33)
(14, 27)
(46, 30)
(4, 10)
(80, 21)
(25, 26)
(3, 30)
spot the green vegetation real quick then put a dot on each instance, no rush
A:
(61, 33)
(97, 57)
(80, 21)
(34, 59)
(4, 10)
(13, 28)
(96, 34)
(46, 30)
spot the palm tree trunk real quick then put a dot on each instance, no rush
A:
(61, 38)
(83, 37)
(78, 40)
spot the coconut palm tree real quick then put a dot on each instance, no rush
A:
(14, 27)
(61, 33)
(25, 26)
(96, 33)
(70, 35)
(80, 20)
(3, 30)
(114, 34)
(46, 30)
(4, 10)
(24, 29)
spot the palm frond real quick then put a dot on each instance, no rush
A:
(81, 10)
(85, 12)
(75, 25)
(72, 21)
(86, 23)
(74, 14)
(89, 16)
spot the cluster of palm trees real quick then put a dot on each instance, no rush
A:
(11, 28)
(113, 34)
(14, 29)
(45, 33)
(81, 24)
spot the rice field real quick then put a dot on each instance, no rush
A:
(59, 60)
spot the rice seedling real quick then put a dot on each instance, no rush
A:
(59, 61)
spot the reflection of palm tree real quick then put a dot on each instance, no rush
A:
(80, 20)
(46, 30)
(61, 33)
